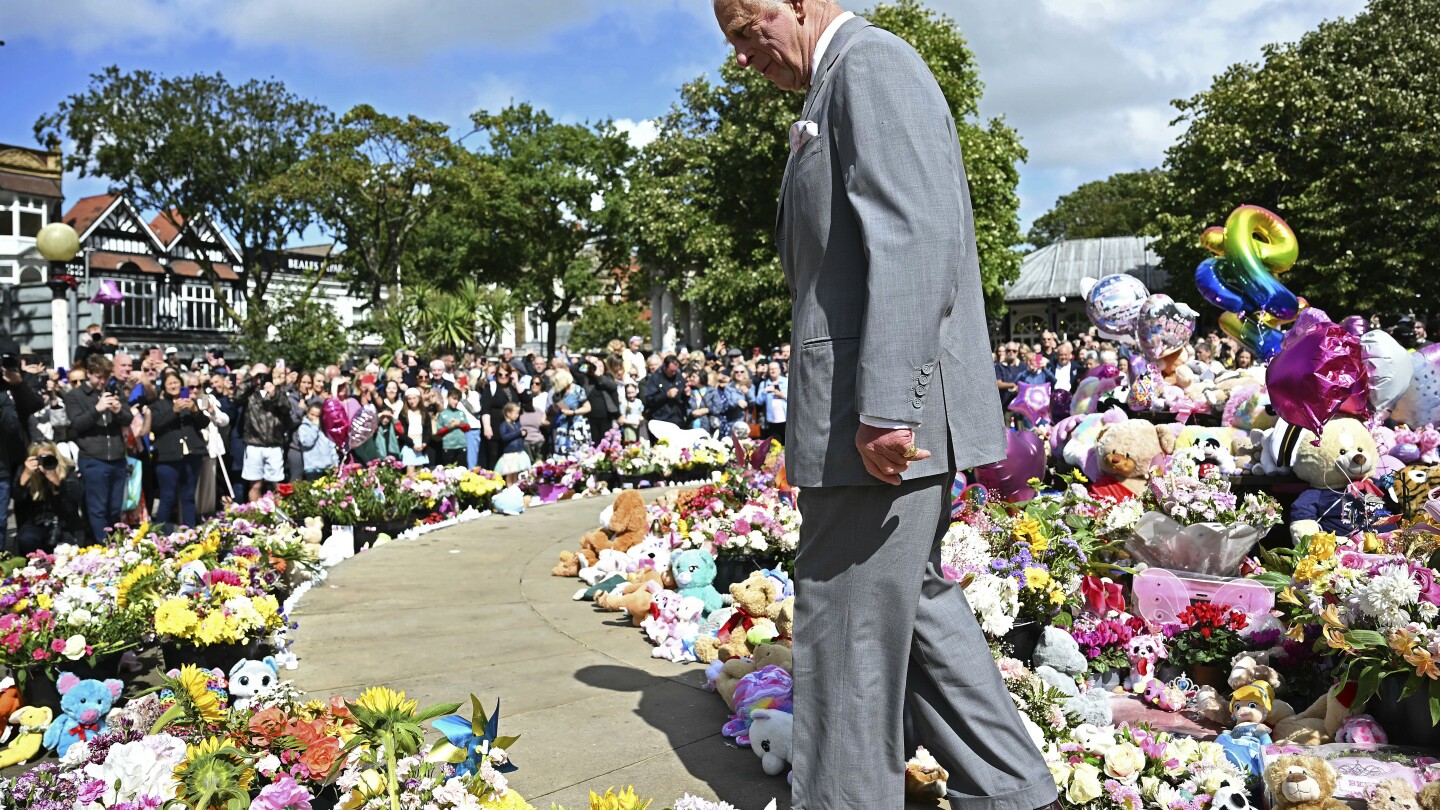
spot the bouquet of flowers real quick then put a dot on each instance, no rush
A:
(222, 610)
(1133, 768)
(1104, 641)
(1206, 634)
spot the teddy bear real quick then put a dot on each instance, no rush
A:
(1318, 724)
(1277, 444)
(1246, 669)
(1215, 447)
(1430, 796)
(679, 643)
(782, 613)
(84, 705)
(694, 572)
(1346, 454)
(568, 565)
(623, 525)
(729, 673)
(249, 678)
(596, 592)
(748, 625)
(768, 687)
(1393, 794)
(1298, 782)
(609, 561)
(661, 619)
(771, 732)
(1058, 662)
(637, 603)
(652, 554)
(1125, 452)
(1145, 652)
(606, 592)
(24, 734)
(925, 779)
(1411, 490)
(9, 699)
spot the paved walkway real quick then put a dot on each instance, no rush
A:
(475, 609)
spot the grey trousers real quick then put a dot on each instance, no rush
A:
(879, 631)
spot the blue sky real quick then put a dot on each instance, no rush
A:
(1086, 82)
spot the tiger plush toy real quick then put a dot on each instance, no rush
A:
(1412, 488)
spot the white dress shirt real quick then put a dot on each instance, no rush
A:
(826, 37)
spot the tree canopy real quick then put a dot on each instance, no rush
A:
(1120, 205)
(196, 146)
(704, 192)
(1335, 133)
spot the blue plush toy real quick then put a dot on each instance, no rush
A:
(83, 707)
(694, 573)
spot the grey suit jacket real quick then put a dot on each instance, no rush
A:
(878, 244)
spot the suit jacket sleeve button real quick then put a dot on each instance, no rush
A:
(917, 404)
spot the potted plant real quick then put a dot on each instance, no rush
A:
(1204, 640)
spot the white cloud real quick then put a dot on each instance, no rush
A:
(640, 133)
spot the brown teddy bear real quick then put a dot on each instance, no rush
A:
(1302, 783)
(1317, 725)
(1393, 794)
(1126, 451)
(734, 669)
(636, 602)
(623, 525)
(1430, 796)
(782, 613)
(752, 600)
(925, 779)
(612, 600)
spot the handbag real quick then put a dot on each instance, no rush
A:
(134, 474)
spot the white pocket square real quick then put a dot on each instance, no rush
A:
(802, 132)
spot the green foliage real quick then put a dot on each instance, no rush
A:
(605, 321)
(1335, 133)
(705, 191)
(301, 329)
(433, 320)
(566, 222)
(1119, 205)
(196, 145)
(369, 180)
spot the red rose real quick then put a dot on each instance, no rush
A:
(284, 489)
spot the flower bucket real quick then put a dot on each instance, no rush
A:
(732, 570)
(1200, 548)
(1023, 638)
(1212, 675)
(209, 656)
(550, 493)
(1407, 721)
(1107, 680)
(39, 688)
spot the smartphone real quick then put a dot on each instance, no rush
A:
(185, 392)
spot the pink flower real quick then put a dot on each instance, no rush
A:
(742, 526)
(40, 654)
(57, 645)
(282, 794)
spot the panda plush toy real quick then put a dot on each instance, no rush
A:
(249, 678)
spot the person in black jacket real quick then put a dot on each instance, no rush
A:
(19, 399)
(604, 393)
(48, 502)
(665, 394)
(494, 396)
(179, 449)
(98, 418)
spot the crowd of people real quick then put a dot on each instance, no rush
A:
(124, 437)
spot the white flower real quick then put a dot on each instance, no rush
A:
(268, 764)
(77, 753)
(995, 600)
(144, 767)
(74, 648)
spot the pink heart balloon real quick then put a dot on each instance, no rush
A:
(1315, 374)
(335, 422)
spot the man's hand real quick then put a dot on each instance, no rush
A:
(888, 452)
(672, 393)
(106, 402)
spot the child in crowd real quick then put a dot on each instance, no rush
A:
(633, 416)
(450, 426)
(318, 451)
(514, 460)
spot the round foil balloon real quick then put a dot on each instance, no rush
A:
(1033, 402)
(1164, 326)
(334, 422)
(1355, 325)
(1059, 404)
(1024, 460)
(1420, 404)
(1089, 392)
(1113, 303)
(1390, 368)
(362, 427)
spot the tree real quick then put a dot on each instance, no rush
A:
(1336, 134)
(705, 190)
(369, 181)
(1119, 205)
(570, 239)
(304, 331)
(193, 147)
(607, 320)
(426, 317)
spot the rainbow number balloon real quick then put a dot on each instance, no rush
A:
(1252, 251)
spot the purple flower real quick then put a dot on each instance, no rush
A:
(1425, 578)
(282, 794)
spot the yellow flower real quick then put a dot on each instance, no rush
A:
(1296, 632)
(174, 617)
(213, 629)
(1036, 578)
(1080, 478)
(209, 768)
(1288, 596)
(122, 591)
(206, 704)
(1372, 542)
(44, 601)
(625, 800)
(20, 605)
(268, 608)
(382, 700)
(1307, 570)
(1030, 531)
(1322, 546)
(1057, 596)
(190, 554)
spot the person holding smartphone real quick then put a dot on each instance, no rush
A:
(48, 501)
(179, 450)
(98, 416)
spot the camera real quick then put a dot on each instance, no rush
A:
(262, 378)
(113, 387)
(209, 390)
(48, 462)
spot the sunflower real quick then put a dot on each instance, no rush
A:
(128, 583)
(213, 775)
(383, 700)
(625, 800)
(193, 690)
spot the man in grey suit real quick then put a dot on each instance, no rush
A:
(891, 391)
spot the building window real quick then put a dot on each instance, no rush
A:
(198, 309)
(7, 221)
(8, 274)
(137, 308)
(1029, 329)
(31, 222)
